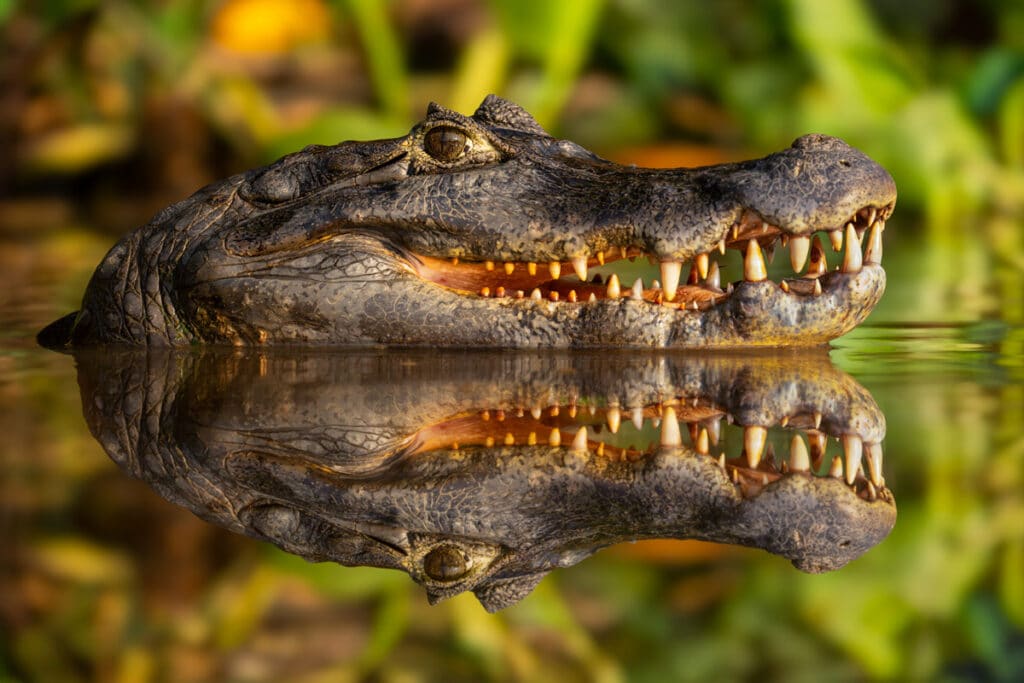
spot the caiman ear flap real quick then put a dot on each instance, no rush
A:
(503, 593)
(501, 113)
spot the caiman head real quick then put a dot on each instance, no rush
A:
(484, 230)
(483, 473)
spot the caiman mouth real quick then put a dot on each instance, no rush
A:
(569, 280)
(632, 434)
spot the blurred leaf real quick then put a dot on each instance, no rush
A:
(80, 561)
(383, 55)
(481, 70)
(79, 147)
(1011, 125)
(335, 126)
(389, 625)
(1011, 581)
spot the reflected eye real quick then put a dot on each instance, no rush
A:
(445, 563)
(446, 144)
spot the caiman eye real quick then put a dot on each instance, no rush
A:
(445, 144)
(445, 563)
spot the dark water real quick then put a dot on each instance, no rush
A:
(348, 456)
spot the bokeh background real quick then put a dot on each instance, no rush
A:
(112, 109)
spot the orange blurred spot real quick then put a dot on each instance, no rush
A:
(269, 26)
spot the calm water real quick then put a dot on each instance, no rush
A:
(104, 579)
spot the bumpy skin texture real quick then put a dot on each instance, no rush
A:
(319, 247)
(321, 455)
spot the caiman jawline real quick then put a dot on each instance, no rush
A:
(751, 234)
(597, 431)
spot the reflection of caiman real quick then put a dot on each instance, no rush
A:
(484, 472)
(486, 231)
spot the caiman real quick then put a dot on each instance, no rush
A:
(485, 230)
(483, 472)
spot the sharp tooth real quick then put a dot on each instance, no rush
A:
(536, 295)
(614, 418)
(579, 442)
(702, 265)
(489, 442)
(655, 285)
(670, 272)
(714, 279)
(637, 291)
(754, 269)
(531, 268)
(600, 258)
(509, 267)
(499, 291)
(573, 297)
(836, 469)
(592, 298)
(872, 492)
(535, 412)
(572, 411)
(531, 440)
(753, 444)
(818, 264)
(853, 449)
(799, 459)
(520, 294)
(714, 427)
(873, 254)
(455, 260)
(600, 448)
(871, 216)
(509, 439)
(721, 246)
(553, 295)
(851, 257)
(670, 435)
(874, 458)
(555, 438)
(702, 442)
(769, 253)
(554, 411)
(817, 419)
(489, 265)
(836, 237)
(556, 269)
(579, 264)
(784, 286)
(798, 250)
(485, 291)
(623, 252)
(817, 287)
(614, 290)
(637, 416)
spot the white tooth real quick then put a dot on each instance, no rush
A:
(799, 459)
(531, 268)
(851, 257)
(714, 280)
(754, 269)
(853, 449)
(818, 264)
(536, 295)
(871, 216)
(637, 292)
(637, 417)
(799, 247)
(817, 287)
(614, 418)
(555, 438)
(702, 442)
(579, 442)
(753, 444)
(873, 254)
(836, 238)
(874, 458)
(600, 258)
(721, 460)
(614, 290)
(702, 265)
(714, 426)
(535, 412)
(655, 285)
(592, 298)
(670, 435)
(670, 272)
(509, 267)
(836, 469)
(721, 246)
(555, 268)
(579, 264)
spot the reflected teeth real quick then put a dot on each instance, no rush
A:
(874, 458)
(555, 268)
(818, 264)
(614, 418)
(701, 445)
(579, 264)
(714, 279)
(637, 292)
(853, 448)
(799, 458)
(836, 237)
(798, 250)
(637, 417)
(509, 267)
(753, 444)
(836, 469)
(702, 265)
(670, 435)
(754, 269)
(851, 257)
(555, 437)
(670, 272)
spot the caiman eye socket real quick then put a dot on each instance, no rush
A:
(445, 143)
(445, 563)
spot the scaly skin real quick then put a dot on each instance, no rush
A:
(356, 243)
(348, 457)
